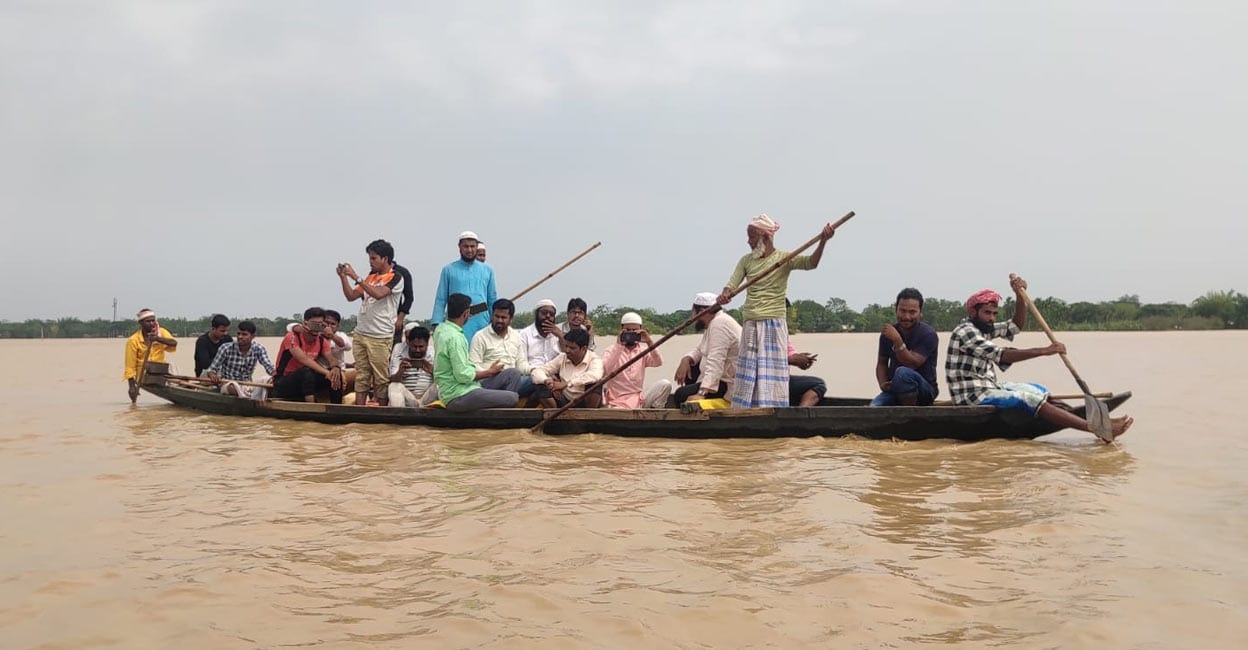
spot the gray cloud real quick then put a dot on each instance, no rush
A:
(204, 157)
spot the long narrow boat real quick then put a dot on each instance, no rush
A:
(833, 417)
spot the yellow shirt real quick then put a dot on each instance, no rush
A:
(764, 300)
(136, 347)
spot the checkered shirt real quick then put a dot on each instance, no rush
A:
(970, 359)
(236, 366)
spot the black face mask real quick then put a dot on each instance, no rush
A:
(630, 339)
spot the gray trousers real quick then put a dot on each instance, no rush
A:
(508, 379)
(483, 398)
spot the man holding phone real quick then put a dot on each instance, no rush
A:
(540, 341)
(469, 277)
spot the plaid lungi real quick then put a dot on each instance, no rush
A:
(762, 378)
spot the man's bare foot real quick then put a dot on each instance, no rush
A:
(1120, 425)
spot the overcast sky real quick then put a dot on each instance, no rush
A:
(224, 156)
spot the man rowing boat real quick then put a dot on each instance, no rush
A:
(762, 363)
(971, 356)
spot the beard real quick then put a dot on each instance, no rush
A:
(699, 326)
(758, 251)
(984, 328)
(498, 329)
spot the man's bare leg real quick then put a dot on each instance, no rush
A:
(809, 398)
(1066, 419)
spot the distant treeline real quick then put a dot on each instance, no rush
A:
(1212, 311)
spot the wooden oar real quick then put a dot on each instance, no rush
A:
(1096, 410)
(689, 321)
(205, 380)
(556, 271)
(949, 402)
(138, 375)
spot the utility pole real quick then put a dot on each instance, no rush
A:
(112, 327)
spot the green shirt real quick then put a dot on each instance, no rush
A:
(453, 372)
(765, 299)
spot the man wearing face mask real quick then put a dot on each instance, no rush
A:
(624, 391)
(471, 278)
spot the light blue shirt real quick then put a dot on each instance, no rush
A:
(475, 280)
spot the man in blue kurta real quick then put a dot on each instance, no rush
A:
(470, 277)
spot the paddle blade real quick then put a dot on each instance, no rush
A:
(1098, 418)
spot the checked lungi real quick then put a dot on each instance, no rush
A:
(762, 378)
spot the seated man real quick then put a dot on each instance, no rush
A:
(624, 391)
(540, 341)
(708, 371)
(971, 356)
(305, 364)
(208, 343)
(411, 372)
(571, 374)
(804, 390)
(906, 366)
(498, 343)
(236, 361)
(578, 319)
(453, 372)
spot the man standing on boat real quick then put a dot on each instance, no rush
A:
(236, 361)
(905, 368)
(456, 377)
(762, 363)
(625, 390)
(209, 342)
(709, 370)
(150, 334)
(471, 278)
(971, 356)
(373, 339)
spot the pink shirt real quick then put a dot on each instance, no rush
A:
(624, 390)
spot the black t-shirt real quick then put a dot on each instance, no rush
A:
(206, 351)
(922, 339)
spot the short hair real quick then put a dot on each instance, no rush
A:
(909, 293)
(382, 248)
(219, 320)
(247, 326)
(578, 303)
(313, 312)
(330, 313)
(457, 304)
(577, 336)
(503, 303)
(419, 332)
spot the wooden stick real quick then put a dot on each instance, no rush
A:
(556, 271)
(206, 380)
(689, 321)
(949, 402)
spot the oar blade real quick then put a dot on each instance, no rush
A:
(1098, 418)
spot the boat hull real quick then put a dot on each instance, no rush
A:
(834, 417)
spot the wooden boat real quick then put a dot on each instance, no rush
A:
(833, 417)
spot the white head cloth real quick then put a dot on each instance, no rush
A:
(704, 299)
(545, 302)
(145, 313)
(468, 234)
(630, 318)
(765, 223)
